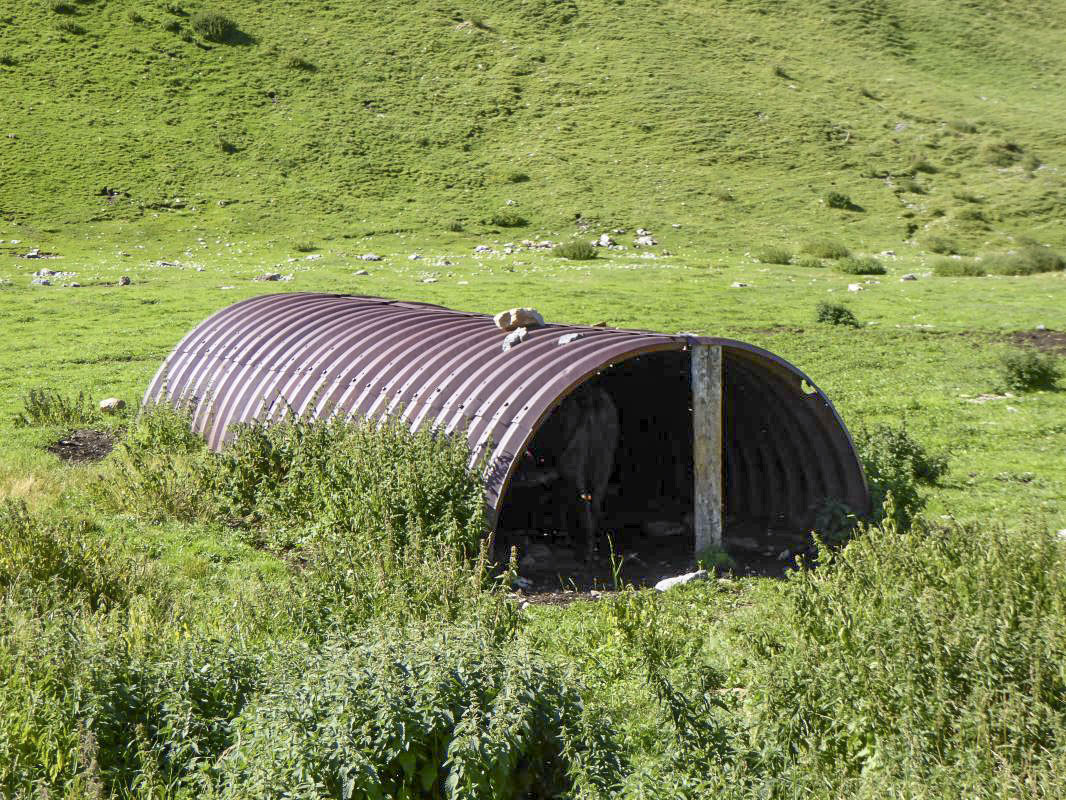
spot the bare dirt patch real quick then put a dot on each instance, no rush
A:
(84, 445)
(1047, 341)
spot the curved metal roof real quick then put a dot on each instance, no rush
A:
(367, 356)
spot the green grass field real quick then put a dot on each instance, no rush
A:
(154, 642)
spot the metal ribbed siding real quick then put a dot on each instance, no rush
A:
(368, 356)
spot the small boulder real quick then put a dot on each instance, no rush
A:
(112, 405)
(739, 285)
(605, 240)
(910, 276)
(269, 276)
(371, 257)
(645, 241)
(566, 338)
(855, 287)
(518, 318)
(515, 337)
(360, 272)
(681, 580)
(124, 280)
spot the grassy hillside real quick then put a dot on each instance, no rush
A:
(734, 119)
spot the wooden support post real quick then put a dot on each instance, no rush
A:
(707, 444)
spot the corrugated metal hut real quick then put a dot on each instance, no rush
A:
(714, 423)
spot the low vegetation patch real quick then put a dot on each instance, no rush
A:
(213, 26)
(861, 266)
(958, 268)
(839, 200)
(836, 314)
(1030, 259)
(896, 466)
(774, 255)
(826, 248)
(52, 407)
(508, 219)
(577, 250)
(1025, 370)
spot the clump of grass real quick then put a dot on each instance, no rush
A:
(60, 6)
(910, 185)
(134, 16)
(305, 247)
(298, 63)
(941, 245)
(921, 165)
(454, 226)
(868, 94)
(213, 25)
(508, 219)
(861, 266)
(1027, 260)
(1027, 370)
(836, 314)
(962, 126)
(774, 255)
(52, 407)
(1031, 162)
(225, 145)
(958, 268)
(576, 249)
(970, 214)
(724, 195)
(516, 177)
(172, 26)
(69, 26)
(780, 72)
(809, 262)
(968, 197)
(839, 200)
(7, 60)
(1002, 154)
(826, 248)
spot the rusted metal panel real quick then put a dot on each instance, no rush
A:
(364, 357)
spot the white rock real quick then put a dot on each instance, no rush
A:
(855, 287)
(910, 276)
(605, 240)
(515, 337)
(739, 285)
(645, 241)
(313, 257)
(41, 282)
(268, 276)
(414, 257)
(569, 337)
(112, 404)
(1062, 533)
(370, 257)
(482, 248)
(518, 318)
(360, 272)
(681, 580)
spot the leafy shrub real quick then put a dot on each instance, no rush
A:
(508, 219)
(839, 200)
(774, 255)
(438, 716)
(52, 407)
(1025, 370)
(386, 521)
(895, 464)
(941, 245)
(826, 248)
(1002, 154)
(54, 561)
(836, 314)
(213, 26)
(958, 268)
(1027, 260)
(969, 632)
(861, 266)
(576, 249)
(455, 226)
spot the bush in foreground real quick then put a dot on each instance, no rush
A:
(774, 255)
(897, 464)
(213, 26)
(1026, 370)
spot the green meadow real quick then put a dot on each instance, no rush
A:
(176, 623)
